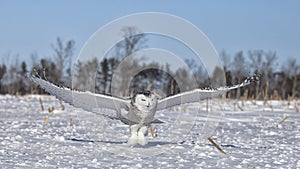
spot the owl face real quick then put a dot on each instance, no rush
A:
(145, 100)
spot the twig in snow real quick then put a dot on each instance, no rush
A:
(285, 117)
(216, 145)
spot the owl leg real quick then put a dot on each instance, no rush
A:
(141, 135)
(138, 132)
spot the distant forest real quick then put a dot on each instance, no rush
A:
(278, 81)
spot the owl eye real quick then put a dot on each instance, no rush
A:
(143, 100)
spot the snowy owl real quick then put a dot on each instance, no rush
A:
(140, 109)
(141, 115)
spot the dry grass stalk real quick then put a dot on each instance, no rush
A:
(238, 105)
(41, 103)
(243, 102)
(296, 106)
(245, 97)
(184, 107)
(174, 108)
(216, 145)
(207, 105)
(151, 131)
(132, 94)
(235, 106)
(253, 100)
(150, 85)
(284, 119)
(62, 106)
(51, 109)
(71, 120)
(46, 120)
(172, 86)
(228, 100)
(32, 90)
(276, 95)
(271, 106)
(289, 100)
(266, 93)
(157, 94)
(222, 108)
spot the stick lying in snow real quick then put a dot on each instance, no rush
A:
(285, 117)
(216, 145)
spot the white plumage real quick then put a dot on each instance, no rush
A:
(141, 108)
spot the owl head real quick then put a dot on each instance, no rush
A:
(145, 100)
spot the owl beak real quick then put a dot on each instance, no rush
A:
(148, 105)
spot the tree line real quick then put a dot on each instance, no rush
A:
(278, 81)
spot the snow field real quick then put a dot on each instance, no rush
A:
(252, 138)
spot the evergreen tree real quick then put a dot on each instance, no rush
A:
(2, 73)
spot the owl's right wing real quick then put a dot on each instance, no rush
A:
(85, 100)
(200, 94)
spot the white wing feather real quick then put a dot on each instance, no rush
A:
(85, 100)
(95, 102)
(200, 94)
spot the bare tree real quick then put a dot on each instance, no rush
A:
(239, 70)
(226, 60)
(268, 65)
(227, 63)
(104, 75)
(85, 75)
(256, 59)
(199, 72)
(63, 55)
(218, 77)
(23, 80)
(133, 41)
(256, 63)
(292, 70)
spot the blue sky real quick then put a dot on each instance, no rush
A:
(32, 26)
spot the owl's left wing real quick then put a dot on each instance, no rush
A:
(200, 94)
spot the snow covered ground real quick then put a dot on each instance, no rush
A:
(249, 132)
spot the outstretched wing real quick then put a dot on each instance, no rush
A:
(200, 94)
(85, 100)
